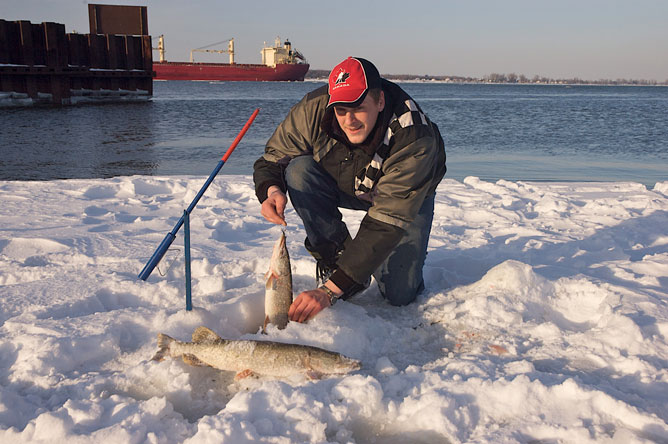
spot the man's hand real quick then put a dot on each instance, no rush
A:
(273, 208)
(308, 304)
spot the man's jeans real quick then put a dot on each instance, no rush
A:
(316, 198)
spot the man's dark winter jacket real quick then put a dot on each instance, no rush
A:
(413, 167)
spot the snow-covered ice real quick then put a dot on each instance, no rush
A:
(544, 319)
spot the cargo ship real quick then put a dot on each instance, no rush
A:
(279, 63)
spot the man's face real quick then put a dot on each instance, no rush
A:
(358, 122)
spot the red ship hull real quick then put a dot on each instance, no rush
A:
(228, 72)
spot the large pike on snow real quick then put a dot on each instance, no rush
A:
(248, 357)
(278, 289)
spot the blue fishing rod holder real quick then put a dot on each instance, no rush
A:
(185, 221)
(186, 245)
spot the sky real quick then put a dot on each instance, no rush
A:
(591, 40)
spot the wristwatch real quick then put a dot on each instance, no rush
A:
(332, 297)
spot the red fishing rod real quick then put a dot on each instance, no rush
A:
(169, 238)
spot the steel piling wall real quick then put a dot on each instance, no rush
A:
(48, 65)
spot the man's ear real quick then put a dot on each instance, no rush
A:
(381, 101)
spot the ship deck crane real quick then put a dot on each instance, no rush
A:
(229, 50)
(161, 47)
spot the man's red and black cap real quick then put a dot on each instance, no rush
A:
(350, 81)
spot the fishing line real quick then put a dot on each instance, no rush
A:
(177, 250)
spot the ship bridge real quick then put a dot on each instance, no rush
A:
(280, 54)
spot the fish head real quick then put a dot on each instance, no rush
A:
(280, 242)
(280, 260)
(337, 364)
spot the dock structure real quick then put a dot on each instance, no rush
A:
(41, 63)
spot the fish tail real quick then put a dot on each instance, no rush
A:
(164, 342)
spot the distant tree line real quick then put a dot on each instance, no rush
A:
(500, 78)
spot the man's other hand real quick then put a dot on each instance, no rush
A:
(307, 305)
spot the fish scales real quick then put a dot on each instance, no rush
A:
(278, 287)
(261, 357)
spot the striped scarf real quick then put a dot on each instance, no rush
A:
(410, 115)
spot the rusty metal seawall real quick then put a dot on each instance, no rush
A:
(47, 65)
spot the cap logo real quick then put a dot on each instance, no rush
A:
(342, 77)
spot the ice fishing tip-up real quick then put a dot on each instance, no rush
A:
(169, 238)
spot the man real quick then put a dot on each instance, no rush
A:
(360, 143)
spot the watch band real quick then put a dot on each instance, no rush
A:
(332, 297)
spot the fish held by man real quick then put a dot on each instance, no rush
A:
(248, 357)
(278, 293)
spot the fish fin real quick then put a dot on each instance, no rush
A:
(194, 360)
(244, 374)
(312, 374)
(271, 280)
(205, 335)
(264, 326)
(164, 342)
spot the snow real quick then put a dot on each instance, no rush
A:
(544, 319)
(18, 99)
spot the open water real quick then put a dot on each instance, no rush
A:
(513, 132)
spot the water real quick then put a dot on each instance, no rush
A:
(513, 132)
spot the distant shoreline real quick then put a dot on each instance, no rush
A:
(498, 79)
